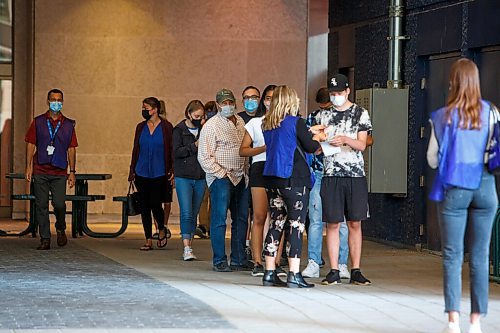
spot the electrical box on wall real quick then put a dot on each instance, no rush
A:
(386, 162)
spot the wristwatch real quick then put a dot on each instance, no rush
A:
(70, 171)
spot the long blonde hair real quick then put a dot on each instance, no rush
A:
(285, 102)
(465, 94)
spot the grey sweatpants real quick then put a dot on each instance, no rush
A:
(56, 185)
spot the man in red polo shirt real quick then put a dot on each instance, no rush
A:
(51, 142)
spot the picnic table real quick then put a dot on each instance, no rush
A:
(78, 212)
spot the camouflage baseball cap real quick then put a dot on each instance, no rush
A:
(224, 95)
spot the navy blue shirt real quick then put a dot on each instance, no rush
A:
(151, 163)
(317, 160)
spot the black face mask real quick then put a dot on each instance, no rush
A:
(196, 122)
(145, 114)
(210, 114)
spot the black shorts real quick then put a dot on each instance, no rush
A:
(256, 175)
(344, 197)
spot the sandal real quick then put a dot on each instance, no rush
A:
(146, 247)
(162, 241)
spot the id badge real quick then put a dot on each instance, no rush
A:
(50, 150)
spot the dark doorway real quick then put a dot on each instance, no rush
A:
(488, 61)
(436, 92)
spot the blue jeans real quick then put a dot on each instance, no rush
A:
(344, 245)
(223, 196)
(481, 204)
(190, 194)
(315, 231)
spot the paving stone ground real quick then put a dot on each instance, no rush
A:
(75, 287)
(96, 282)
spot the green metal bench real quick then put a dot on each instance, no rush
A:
(77, 221)
(122, 229)
(123, 200)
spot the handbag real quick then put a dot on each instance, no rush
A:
(494, 145)
(134, 206)
(308, 162)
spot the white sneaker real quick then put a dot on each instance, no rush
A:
(312, 270)
(344, 271)
(452, 328)
(475, 328)
(188, 254)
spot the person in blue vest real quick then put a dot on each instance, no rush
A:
(288, 182)
(51, 148)
(464, 188)
(253, 146)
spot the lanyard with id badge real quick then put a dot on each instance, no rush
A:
(52, 133)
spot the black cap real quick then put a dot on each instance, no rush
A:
(338, 82)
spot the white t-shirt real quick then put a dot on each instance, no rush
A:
(193, 131)
(254, 129)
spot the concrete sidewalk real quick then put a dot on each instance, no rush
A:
(406, 294)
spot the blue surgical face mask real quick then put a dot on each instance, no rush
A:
(338, 100)
(210, 114)
(250, 105)
(227, 111)
(55, 106)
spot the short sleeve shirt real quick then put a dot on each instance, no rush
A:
(245, 116)
(349, 162)
(47, 169)
(254, 129)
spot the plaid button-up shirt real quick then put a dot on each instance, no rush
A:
(219, 147)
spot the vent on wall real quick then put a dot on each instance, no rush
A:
(386, 162)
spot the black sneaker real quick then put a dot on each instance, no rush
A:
(258, 270)
(333, 277)
(281, 272)
(201, 232)
(358, 278)
(222, 267)
(322, 263)
(248, 253)
(248, 266)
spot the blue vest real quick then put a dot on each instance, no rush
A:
(61, 143)
(281, 143)
(461, 152)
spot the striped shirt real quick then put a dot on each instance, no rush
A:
(218, 149)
